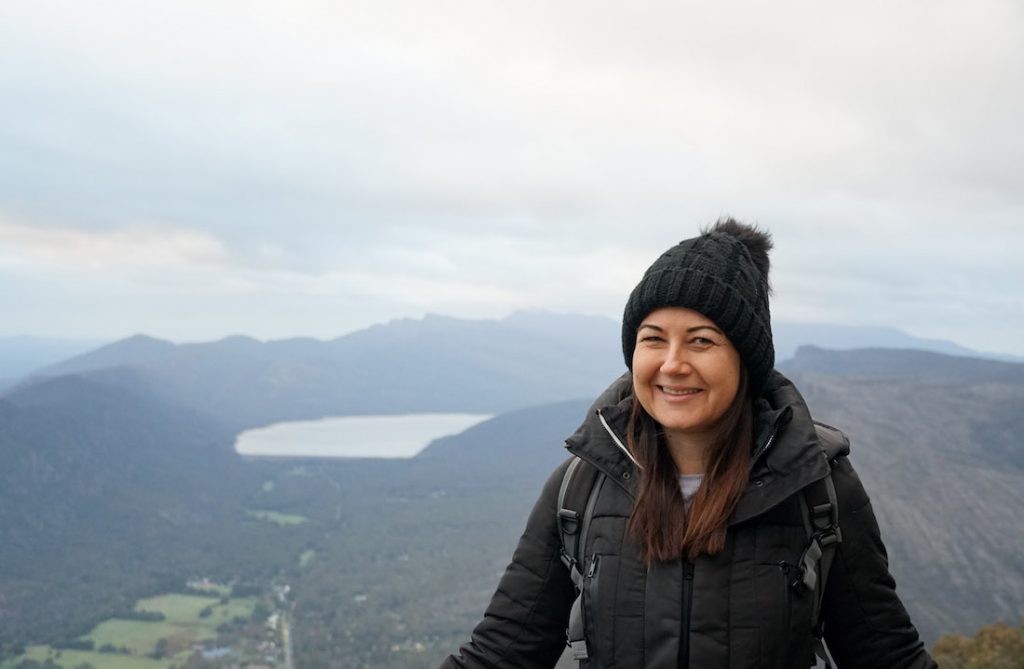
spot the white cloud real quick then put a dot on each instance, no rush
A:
(136, 249)
(394, 157)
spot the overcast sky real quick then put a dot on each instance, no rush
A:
(197, 169)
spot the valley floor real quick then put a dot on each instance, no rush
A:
(184, 631)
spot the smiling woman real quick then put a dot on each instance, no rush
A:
(686, 375)
(705, 519)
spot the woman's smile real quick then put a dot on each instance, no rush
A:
(677, 394)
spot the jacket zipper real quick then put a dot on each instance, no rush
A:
(684, 641)
(782, 419)
(615, 438)
(789, 572)
(764, 449)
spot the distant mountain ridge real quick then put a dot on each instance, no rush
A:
(789, 336)
(882, 363)
(433, 364)
(436, 363)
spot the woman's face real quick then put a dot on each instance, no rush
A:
(686, 373)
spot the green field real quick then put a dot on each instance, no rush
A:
(241, 607)
(177, 608)
(183, 627)
(278, 518)
(307, 556)
(141, 636)
(69, 659)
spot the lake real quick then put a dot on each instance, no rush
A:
(401, 436)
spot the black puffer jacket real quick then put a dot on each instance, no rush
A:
(743, 613)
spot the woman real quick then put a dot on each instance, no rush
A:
(697, 539)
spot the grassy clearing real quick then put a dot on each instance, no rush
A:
(183, 627)
(236, 608)
(177, 608)
(140, 636)
(69, 659)
(307, 556)
(278, 518)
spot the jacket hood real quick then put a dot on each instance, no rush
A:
(786, 455)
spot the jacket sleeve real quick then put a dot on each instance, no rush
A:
(866, 624)
(524, 625)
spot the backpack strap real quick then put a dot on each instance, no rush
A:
(821, 521)
(820, 511)
(577, 498)
(833, 441)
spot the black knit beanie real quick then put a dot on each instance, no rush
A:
(723, 274)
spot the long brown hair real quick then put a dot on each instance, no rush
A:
(661, 522)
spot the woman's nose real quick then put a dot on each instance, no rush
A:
(676, 362)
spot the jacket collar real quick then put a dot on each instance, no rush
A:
(787, 454)
(601, 438)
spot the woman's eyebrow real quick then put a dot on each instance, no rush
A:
(688, 330)
(705, 327)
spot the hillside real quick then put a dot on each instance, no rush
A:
(409, 552)
(937, 441)
(107, 494)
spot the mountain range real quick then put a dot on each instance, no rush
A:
(484, 366)
(436, 364)
(120, 479)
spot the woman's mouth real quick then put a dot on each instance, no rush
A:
(679, 392)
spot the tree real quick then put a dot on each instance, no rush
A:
(160, 649)
(997, 646)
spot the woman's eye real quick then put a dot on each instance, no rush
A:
(650, 339)
(702, 341)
